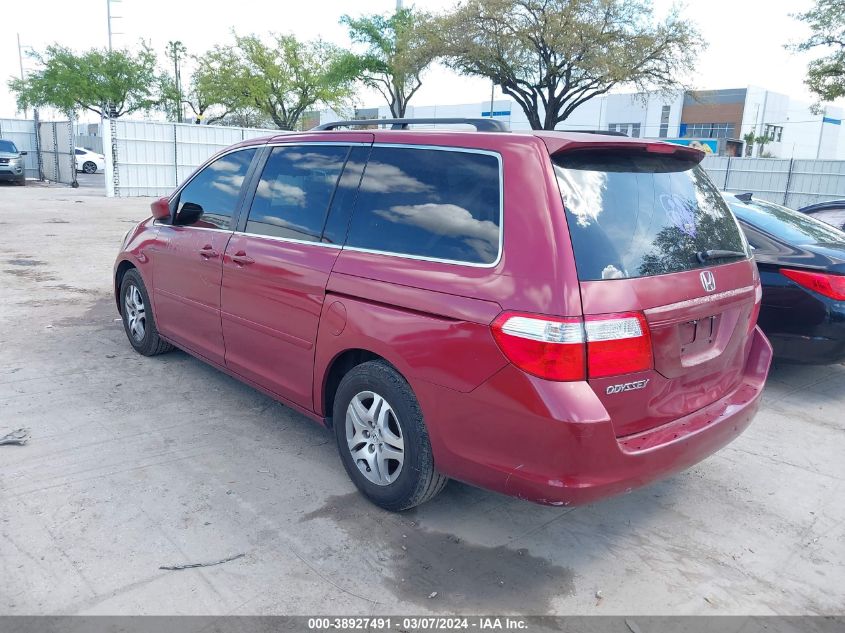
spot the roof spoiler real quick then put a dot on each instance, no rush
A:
(480, 125)
(604, 132)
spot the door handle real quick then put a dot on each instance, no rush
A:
(242, 259)
(208, 252)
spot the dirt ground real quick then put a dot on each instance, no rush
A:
(136, 463)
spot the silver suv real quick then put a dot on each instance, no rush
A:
(11, 163)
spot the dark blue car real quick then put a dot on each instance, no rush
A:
(802, 268)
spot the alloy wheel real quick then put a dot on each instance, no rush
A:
(135, 313)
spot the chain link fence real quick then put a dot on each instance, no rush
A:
(49, 147)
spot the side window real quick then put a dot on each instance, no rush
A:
(294, 192)
(78, 152)
(442, 204)
(211, 198)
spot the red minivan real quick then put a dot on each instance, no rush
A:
(556, 316)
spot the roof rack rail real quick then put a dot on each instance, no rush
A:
(605, 132)
(481, 125)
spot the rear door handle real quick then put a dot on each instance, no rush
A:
(242, 259)
(208, 252)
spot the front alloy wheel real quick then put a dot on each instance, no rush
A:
(89, 167)
(374, 437)
(138, 318)
(136, 313)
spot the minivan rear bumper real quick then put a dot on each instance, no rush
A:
(554, 443)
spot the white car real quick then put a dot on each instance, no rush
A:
(88, 161)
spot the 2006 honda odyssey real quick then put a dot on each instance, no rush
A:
(556, 316)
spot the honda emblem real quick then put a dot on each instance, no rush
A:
(708, 280)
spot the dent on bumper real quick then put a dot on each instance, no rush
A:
(570, 455)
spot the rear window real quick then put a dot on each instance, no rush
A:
(638, 215)
(785, 224)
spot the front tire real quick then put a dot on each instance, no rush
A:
(382, 438)
(21, 182)
(138, 321)
(89, 168)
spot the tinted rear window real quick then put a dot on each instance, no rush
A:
(637, 214)
(430, 203)
(785, 224)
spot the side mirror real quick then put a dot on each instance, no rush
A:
(161, 209)
(23, 153)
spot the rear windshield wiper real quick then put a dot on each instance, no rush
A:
(706, 256)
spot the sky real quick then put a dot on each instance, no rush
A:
(745, 38)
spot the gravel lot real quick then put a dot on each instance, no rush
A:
(136, 463)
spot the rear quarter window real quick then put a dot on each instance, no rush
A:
(440, 204)
(632, 214)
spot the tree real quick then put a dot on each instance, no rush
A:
(108, 83)
(552, 56)
(398, 49)
(282, 80)
(751, 139)
(826, 75)
(208, 93)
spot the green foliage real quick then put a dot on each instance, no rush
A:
(396, 51)
(552, 56)
(281, 80)
(826, 75)
(117, 82)
(751, 139)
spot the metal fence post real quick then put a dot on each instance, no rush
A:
(109, 125)
(73, 181)
(56, 149)
(39, 159)
(175, 156)
(788, 181)
(727, 173)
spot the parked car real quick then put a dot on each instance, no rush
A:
(88, 161)
(11, 163)
(832, 212)
(802, 267)
(552, 315)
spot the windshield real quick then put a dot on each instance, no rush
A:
(8, 146)
(636, 214)
(785, 224)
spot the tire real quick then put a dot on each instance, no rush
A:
(135, 302)
(89, 167)
(386, 482)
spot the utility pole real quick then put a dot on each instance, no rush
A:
(20, 61)
(174, 50)
(109, 18)
(398, 5)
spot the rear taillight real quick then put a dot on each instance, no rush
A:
(548, 347)
(569, 348)
(617, 344)
(832, 286)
